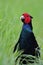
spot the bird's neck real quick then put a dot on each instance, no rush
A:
(27, 27)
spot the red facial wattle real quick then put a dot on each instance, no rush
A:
(27, 18)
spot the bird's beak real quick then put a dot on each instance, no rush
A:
(22, 18)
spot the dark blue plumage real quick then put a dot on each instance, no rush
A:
(27, 41)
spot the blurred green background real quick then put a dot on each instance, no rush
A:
(10, 25)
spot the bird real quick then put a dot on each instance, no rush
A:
(27, 40)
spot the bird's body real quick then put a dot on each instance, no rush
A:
(27, 40)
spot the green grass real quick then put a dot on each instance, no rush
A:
(10, 26)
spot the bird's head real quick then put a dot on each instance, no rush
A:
(26, 18)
